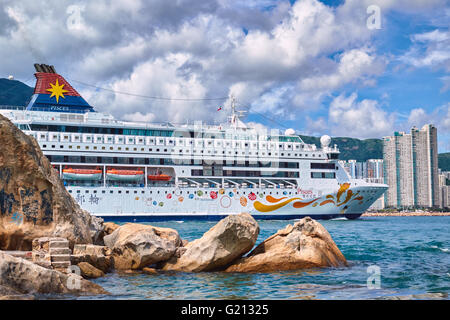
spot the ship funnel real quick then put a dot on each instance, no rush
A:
(45, 98)
(44, 68)
(38, 68)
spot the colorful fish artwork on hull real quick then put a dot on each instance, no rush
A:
(338, 200)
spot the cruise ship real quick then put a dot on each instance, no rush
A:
(132, 171)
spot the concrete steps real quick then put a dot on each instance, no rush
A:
(60, 258)
(57, 251)
(52, 253)
(61, 264)
(58, 244)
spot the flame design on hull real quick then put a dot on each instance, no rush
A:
(330, 199)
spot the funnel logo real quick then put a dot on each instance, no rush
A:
(57, 90)
(50, 87)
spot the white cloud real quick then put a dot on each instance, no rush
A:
(440, 117)
(139, 117)
(274, 56)
(430, 49)
(272, 70)
(258, 127)
(418, 117)
(316, 127)
(354, 65)
(364, 119)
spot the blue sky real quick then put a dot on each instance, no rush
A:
(400, 87)
(310, 65)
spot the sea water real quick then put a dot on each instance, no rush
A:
(389, 258)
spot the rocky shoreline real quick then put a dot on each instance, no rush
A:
(404, 214)
(135, 248)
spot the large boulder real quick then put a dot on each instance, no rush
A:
(88, 271)
(135, 246)
(109, 227)
(92, 249)
(306, 244)
(97, 256)
(228, 240)
(33, 200)
(97, 230)
(24, 277)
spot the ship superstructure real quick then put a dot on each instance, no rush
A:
(133, 171)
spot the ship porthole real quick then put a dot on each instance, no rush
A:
(225, 202)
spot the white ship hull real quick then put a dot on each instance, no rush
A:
(138, 204)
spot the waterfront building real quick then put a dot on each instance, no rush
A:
(444, 189)
(411, 168)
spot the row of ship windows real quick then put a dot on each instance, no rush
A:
(78, 147)
(161, 133)
(170, 142)
(243, 173)
(168, 161)
(323, 175)
(167, 192)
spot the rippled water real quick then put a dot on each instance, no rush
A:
(411, 252)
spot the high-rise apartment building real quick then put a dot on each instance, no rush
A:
(444, 189)
(371, 169)
(374, 170)
(411, 168)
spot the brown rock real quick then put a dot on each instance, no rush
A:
(97, 256)
(130, 271)
(180, 251)
(135, 246)
(148, 270)
(33, 201)
(109, 227)
(89, 272)
(92, 249)
(228, 240)
(6, 293)
(25, 277)
(101, 262)
(306, 244)
(96, 230)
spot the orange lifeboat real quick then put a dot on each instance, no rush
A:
(124, 174)
(159, 177)
(82, 174)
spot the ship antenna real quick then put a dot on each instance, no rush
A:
(235, 114)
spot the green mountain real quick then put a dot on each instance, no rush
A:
(444, 161)
(352, 148)
(14, 93)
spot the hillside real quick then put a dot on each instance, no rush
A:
(13, 92)
(444, 161)
(352, 148)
